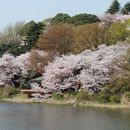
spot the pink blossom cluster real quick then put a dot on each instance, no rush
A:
(88, 70)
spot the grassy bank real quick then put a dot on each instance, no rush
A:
(80, 99)
(71, 102)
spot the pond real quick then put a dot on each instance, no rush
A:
(14, 116)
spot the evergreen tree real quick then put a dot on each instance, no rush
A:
(31, 31)
(82, 19)
(126, 9)
(79, 19)
(114, 8)
(60, 18)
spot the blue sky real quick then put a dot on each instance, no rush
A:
(12, 11)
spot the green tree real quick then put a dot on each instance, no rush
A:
(31, 32)
(126, 8)
(4, 48)
(79, 19)
(82, 19)
(89, 36)
(60, 18)
(114, 8)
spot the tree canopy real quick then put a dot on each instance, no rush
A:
(84, 18)
(60, 18)
(79, 19)
(114, 8)
(58, 38)
(126, 8)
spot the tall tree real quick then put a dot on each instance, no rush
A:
(82, 19)
(31, 32)
(11, 33)
(60, 18)
(126, 8)
(114, 8)
(59, 38)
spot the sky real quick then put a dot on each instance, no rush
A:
(12, 11)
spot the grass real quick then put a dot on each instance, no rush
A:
(68, 99)
(72, 102)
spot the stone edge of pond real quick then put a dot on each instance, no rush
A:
(70, 102)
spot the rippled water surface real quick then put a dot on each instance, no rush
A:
(51, 117)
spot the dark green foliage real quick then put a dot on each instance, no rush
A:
(8, 92)
(126, 8)
(82, 95)
(4, 48)
(13, 48)
(16, 49)
(82, 19)
(114, 8)
(115, 99)
(31, 31)
(103, 98)
(60, 18)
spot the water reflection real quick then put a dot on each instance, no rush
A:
(51, 117)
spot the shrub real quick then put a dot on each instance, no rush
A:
(58, 39)
(11, 91)
(5, 48)
(89, 36)
(13, 48)
(57, 96)
(119, 85)
(118, 32)
(82, 95)
(103, 98)
(127, 96)
(8, 92)
(127, 22)
(93, 97)
(38, 59)
(115, 99)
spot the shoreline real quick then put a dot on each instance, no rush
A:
(70, 102)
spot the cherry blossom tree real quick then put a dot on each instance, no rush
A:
(14, 68)
(88, 70)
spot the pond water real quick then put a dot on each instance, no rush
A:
(15, 116)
